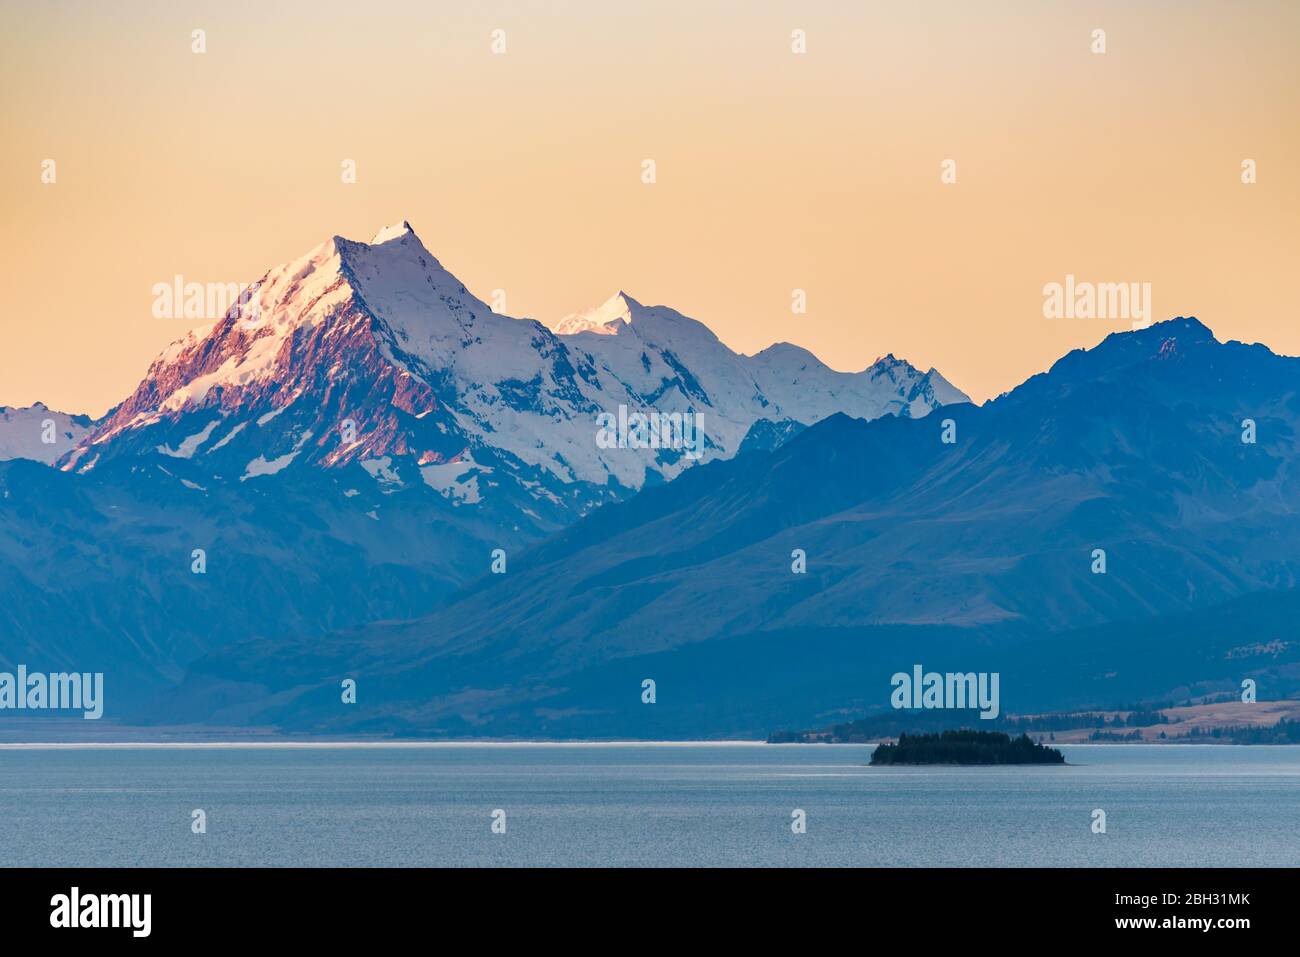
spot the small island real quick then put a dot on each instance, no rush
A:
(965, 747)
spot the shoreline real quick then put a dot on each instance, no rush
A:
(271, 745)
(424, 745)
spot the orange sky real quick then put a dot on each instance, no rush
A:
(776, 171)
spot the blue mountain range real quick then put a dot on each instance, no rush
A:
(1123, 527)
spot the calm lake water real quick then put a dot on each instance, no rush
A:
(649, 805)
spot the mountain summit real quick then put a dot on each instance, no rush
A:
(39, 433)
(375, 354)
(604, 320)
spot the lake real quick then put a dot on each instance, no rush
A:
(642, 805)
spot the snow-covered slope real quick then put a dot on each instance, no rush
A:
(374, 353)
(808, 391)
(39, 433)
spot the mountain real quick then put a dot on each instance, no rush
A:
(137, 569)
(39, 433)
(350, 442)
(373, 353)
(766, 435)
(970, 555)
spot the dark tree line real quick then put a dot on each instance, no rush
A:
(965, 747)
(1284, 732)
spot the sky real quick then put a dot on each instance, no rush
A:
(775, 170)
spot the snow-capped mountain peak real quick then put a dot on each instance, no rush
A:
(374, 353)
(607, 319)
(39, 433)
(396, 232)
(787, 356)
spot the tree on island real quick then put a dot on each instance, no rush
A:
(965, 747)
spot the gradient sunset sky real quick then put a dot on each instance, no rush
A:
(775, 171)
